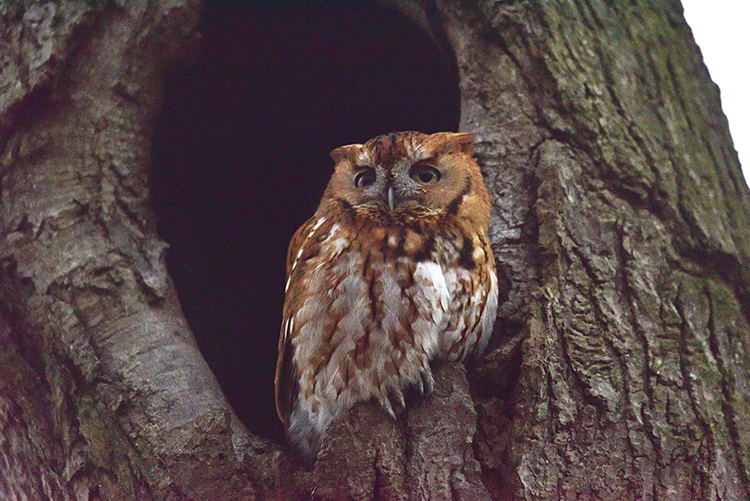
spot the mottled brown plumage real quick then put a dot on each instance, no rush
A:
(393, 271)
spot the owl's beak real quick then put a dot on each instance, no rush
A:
(391, 198)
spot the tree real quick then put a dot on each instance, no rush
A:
(621, 228)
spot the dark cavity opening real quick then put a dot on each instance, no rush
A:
(241, 159)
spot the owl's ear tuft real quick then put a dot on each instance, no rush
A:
(461, 141)
(345, 152)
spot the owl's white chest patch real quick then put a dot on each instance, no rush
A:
(434, 282)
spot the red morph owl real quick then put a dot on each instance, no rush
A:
(393, 271)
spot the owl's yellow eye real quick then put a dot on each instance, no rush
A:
(364, 178)
(425, 174)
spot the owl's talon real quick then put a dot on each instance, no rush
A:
(399, 397)
(420, 385)
(428, 382)
(386, 404)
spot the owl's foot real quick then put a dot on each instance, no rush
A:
(392, 398)
(426, 383)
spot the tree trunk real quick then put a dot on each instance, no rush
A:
(633, 215)
(104, 393)
(621, 227)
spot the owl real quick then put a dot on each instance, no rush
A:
(394, 271)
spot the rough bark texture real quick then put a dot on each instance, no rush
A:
(104, 393)
(621, 228)
(623, 224)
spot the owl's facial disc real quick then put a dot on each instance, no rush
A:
(400, 186)
(380, 187)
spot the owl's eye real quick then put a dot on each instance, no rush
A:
(364, 178)
(425, 174)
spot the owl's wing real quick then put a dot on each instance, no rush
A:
(287, 379)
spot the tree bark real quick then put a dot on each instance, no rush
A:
(624, 228)
(621, 227)
(105, 395)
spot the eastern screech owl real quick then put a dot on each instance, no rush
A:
(393, 271)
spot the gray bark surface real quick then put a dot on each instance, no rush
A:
(105, 394)
(627, 246)
(621, 227)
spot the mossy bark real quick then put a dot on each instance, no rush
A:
(621, 227)
(604, 143)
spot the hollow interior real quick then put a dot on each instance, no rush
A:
(240, 159)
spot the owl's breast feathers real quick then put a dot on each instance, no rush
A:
(368, 307)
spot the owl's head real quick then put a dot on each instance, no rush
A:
(395, 178)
